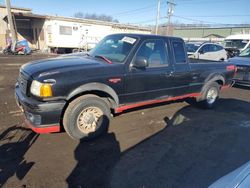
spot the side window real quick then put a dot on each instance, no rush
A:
(219, 48)
(179, 52)
(205, 48)
(214, 48)
(65, 30)
(154, 52)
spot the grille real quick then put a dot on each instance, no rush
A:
(23, 82)
(243, 73)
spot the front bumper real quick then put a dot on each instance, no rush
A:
(41, 117)
(242, 82)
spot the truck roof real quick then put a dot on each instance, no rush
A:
(144, 36)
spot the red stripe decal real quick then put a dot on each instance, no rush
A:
(43, 130)
(225, 87)
(115, 80)
(130, 106)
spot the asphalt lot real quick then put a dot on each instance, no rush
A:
(174, 145)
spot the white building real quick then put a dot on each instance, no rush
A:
(45, 32)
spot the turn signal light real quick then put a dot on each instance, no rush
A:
(46, 90)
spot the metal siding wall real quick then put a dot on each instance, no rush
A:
(240, 30)
(188, 33)
(201, 32)
(220, 31)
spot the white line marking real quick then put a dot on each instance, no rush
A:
(15, 111)
(13, 64)
(1, 78)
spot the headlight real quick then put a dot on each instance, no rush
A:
(41, 89)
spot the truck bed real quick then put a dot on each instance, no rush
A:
(192, 60)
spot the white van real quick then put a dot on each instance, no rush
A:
(239, 42)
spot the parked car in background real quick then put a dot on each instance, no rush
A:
(234, 44)
(206, 51)
(242, 62)
(21, 48)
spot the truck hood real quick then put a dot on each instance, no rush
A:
(60, 64)
(240, 61)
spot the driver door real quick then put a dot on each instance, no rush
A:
(155, 80)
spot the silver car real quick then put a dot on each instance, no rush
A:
(239, 178)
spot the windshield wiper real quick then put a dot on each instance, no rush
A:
(104, 58)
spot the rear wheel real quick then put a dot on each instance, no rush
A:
(209, 95)
(86, 117)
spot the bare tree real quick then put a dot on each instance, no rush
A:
(94, 16)
(79, 15)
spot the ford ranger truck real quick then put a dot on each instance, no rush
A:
(79, 93)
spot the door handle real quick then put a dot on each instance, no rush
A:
(169, 74)
(195, 76)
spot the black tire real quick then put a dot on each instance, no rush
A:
(206, 101)
(73, 116)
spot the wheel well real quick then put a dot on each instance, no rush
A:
(108, 98)
(105, 96)
(217, 79)
(220, 82)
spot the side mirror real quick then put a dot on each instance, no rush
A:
(140, 62)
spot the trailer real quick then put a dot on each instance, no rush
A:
(70, 34)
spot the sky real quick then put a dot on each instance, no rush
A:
(143, 12)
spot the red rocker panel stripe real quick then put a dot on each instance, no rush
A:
(130, 106)
(43, 130)
(225, 87)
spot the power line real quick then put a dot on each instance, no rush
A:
(205, 2)
(195, 20)
(216, 16)
(135, 10)
(149, 21)
(136, 13)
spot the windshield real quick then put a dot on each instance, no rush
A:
(192, 47)
(114, 48)
(235, 43)
(245, 53)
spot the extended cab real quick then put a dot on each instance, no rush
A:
(80, 92)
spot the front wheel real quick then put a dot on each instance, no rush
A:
(86, 117)
(210, 95)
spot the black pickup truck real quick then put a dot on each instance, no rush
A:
(79, 93)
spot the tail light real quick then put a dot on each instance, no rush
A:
(232, 68)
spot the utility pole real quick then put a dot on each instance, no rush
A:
(170, 14)
(10, 21)
(157, 16)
